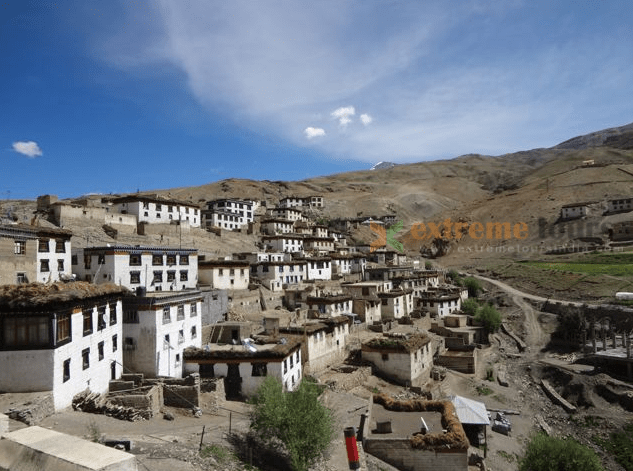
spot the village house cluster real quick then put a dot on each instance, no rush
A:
(110, 313)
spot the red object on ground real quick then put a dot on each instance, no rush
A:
(352, 448)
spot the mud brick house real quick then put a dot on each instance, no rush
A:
(244, 367)
(416, 435)
(33, 253)
(289, 243)
(60, 337)
(330, 305)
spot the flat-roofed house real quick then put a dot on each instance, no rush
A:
(156, 209)
(33, 253)
(224, 274)
(149, 268)
(60, 337)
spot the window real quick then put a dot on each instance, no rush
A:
(181, 336)
(44, 266)
(157, 259)
(259, 369)
(170, 209)
(19, 247)
(101, 318)
(194, 332)
(180, 313)
(166, 342)
(115, 343)
(145, 205)
(291, 361)
(184, 276)
(166, 315)
(112, 314)
(31, 331)
(66, 373)
(73, 260)
(101, 259)
(184, 259)
(60, 265)
(21, 278)
(171, 260)
(87, 260)
(171, 276)
(135, 277)
(100, 347)
(177, 361)
(42, 245)
(60, 246)
(159, 207)
(285, 366)
(135, 260)
(85, 358)
(220, 271)
(130, 317)
(385, 356)
(158, 277)
(87, 322)
(231, 272)
(63, 327)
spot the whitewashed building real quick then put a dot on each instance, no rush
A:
(574, 210)
(224, 274)
(272, 226)
(290, 243)
(33, 253)
(277, 274)
(158, 210)
(149, 268)
(289, 214)
(319, 268)
(620, 205)
(439, 303)
(323, 342)
(330, 305)
(318, 245)
(244, 367)
(63, 337)
(396, 303)
(405, 360)
(314, 201)
(157, 328)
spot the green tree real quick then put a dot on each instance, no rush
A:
(473, 285)
(428, 265)
(489, 317)
(454, 277)
(296, 419)
(470, 307)
(545, 453)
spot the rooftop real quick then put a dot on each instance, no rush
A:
(39, 294)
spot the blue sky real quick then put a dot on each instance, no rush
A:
(117, 96)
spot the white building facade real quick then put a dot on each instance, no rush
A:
(155, 210)
(149, 268)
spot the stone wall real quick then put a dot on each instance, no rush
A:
(398, 453)
(213, 388)
(34, 411)
(148, 398)
(180, 392)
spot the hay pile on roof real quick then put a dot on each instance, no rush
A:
(38, 294)
(405, 344)
(454, 438)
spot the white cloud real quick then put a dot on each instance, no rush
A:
(28, 148)
(343, 114)
(366, 119)
(311, 132)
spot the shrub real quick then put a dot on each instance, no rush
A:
(489, 317)
(474, 286)
(470, 307)
(297, 419)
(546, 453)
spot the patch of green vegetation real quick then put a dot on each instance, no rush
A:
(219, 452)
(510, 458)
(613, 264)
(620, 445)
(483, 390)
(490, 373)
(546, 453)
